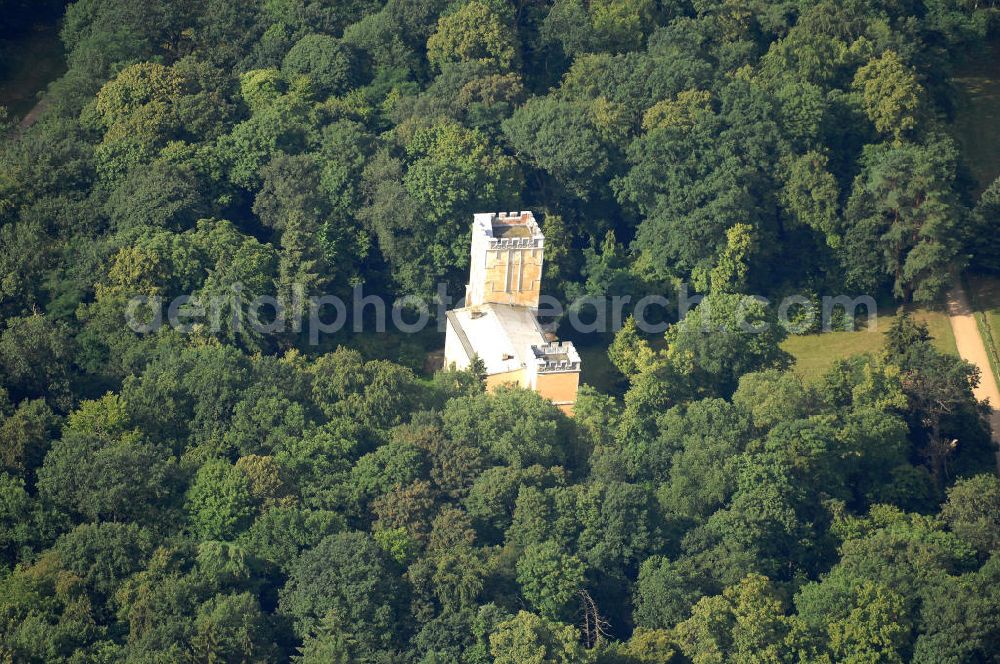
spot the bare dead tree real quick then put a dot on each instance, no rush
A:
(593, 626)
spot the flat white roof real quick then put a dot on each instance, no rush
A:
(501, 335)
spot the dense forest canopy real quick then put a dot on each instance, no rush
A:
(230, 496)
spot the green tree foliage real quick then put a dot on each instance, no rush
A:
(416, 208)
(219, 494)
(903, 204)
(529, 638)
(324, 60)
(25, 435)
(563, 138)
(971, 510)
(724, 337)
(690, 192)
(124, 477)
(36, 360)
(348, 575)
(550, 580)
(219, 502)
(664, 594)
(746, 622)
(474, 32)
(600, 25)
(982, 236)
(890, 94)
(539, 433)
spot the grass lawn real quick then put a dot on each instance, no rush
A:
(977, 121)
(815, 353)
(32, 62)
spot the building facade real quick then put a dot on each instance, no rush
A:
(499, 322)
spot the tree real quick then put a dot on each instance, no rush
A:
(452, 172)
(137, 112)
(25, 435)
(128, 478)
(451, 574)
(165, 195)
(493, 496)
(960, 618)
(281, 533)
(345, 148)
(212, 494)
(528, 639)
(773, 396)
(762, 529)
(561, 137)
(646, 646)
(600, 25)
(862, 622)
(684, 111)
(409, 507)
(26, 523)
(982, 236)
(665, 593)
(747, 622)
(324, 60)
(938, 387)
(46, 613)
(419, 210)
(376, 394)
(158, 603)
(514, 426)
(550, 580)
(730, 272)
(36, 360)
(291, 202)
(903, 204)
(232, 627)
(722, 338)
(909, 554)
(350, 575)
(327, 644)
(690, 190)
(972, 512)
(813, 452)
(103, 555)
(890, 94)
(473, 33)
(810, 195)
(135, 87)
(386, 468)
(219, 501)
(455, 464)
(619, 526)
(696, 456)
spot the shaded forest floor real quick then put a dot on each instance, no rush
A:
(31, 63)
(977, 120)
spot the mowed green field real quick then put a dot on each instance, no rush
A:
(977, 121)
(815, 353)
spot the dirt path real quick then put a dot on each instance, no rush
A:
(971, 348)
